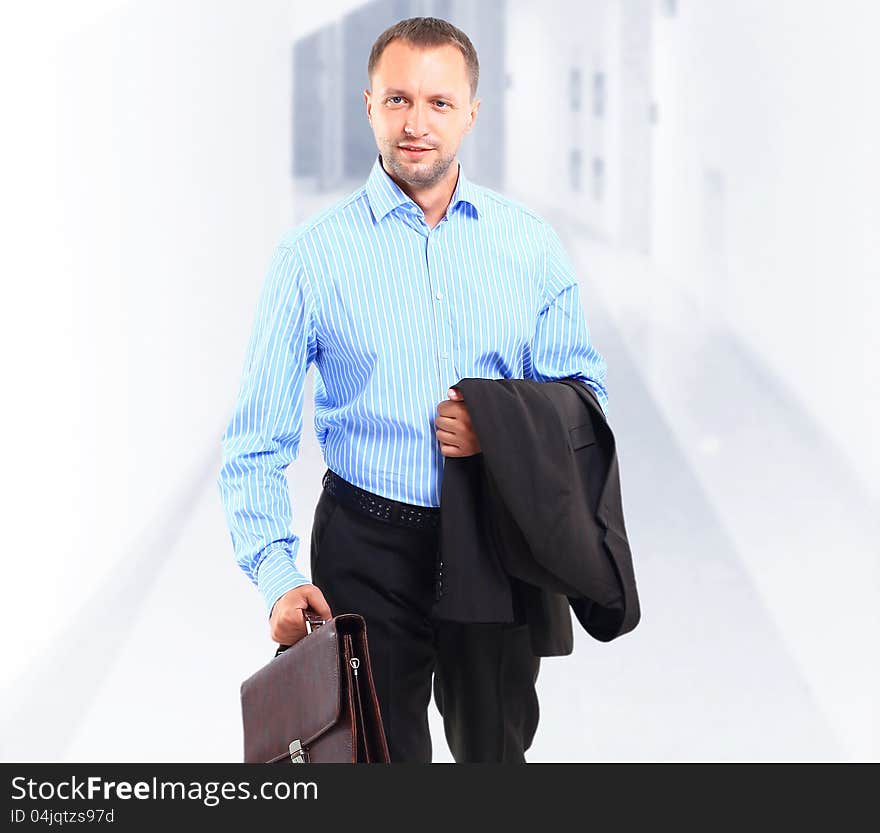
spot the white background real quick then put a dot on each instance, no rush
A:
(145, 169)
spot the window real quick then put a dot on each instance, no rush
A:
(574, 89)
(598, 94)
(598, 178)
(574, 169)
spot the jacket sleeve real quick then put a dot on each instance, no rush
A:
(263, 434)
(561, 346)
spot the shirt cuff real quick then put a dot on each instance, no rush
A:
(277, 573)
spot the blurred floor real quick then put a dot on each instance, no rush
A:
(743, 527)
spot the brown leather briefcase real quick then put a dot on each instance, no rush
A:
(315, 702)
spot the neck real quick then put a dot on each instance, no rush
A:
(432, 199)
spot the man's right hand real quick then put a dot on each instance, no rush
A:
(287, 623)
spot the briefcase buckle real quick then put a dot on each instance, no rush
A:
(298, 755)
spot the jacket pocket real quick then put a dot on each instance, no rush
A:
(582, 435)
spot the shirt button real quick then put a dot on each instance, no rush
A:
(439, 296)
(444, 355)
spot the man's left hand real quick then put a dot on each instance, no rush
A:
(455, 432)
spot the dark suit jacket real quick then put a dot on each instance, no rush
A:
(532, 526)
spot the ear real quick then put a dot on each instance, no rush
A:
(369, 103)
(472, 117)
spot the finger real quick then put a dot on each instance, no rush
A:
(289, 631)
(451, 404)
(318, 603)
(454, 411)
(447, 438)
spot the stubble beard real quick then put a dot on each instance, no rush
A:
(415, 173)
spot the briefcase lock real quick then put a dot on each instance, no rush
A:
(298, 755)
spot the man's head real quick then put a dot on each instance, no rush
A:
(423, 84)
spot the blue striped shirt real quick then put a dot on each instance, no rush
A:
(392, 313)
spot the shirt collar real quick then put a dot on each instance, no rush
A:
(384, 194)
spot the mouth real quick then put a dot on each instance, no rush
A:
(414, 151)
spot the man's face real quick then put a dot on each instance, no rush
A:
(420, 98)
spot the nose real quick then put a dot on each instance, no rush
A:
(415, 122)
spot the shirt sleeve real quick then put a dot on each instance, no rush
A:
(561, 346)
(263, 434)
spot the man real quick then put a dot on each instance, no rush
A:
(418, 279)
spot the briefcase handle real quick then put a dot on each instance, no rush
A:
(313, 621)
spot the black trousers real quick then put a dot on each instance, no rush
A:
(484, 674)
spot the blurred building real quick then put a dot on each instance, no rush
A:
(569, 102)
(332, 141)
(581, 83)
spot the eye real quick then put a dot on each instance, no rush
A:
(440, 101)
(391, 98)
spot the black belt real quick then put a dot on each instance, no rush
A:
(382, 508)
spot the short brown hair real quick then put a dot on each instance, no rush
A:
(427, 32)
